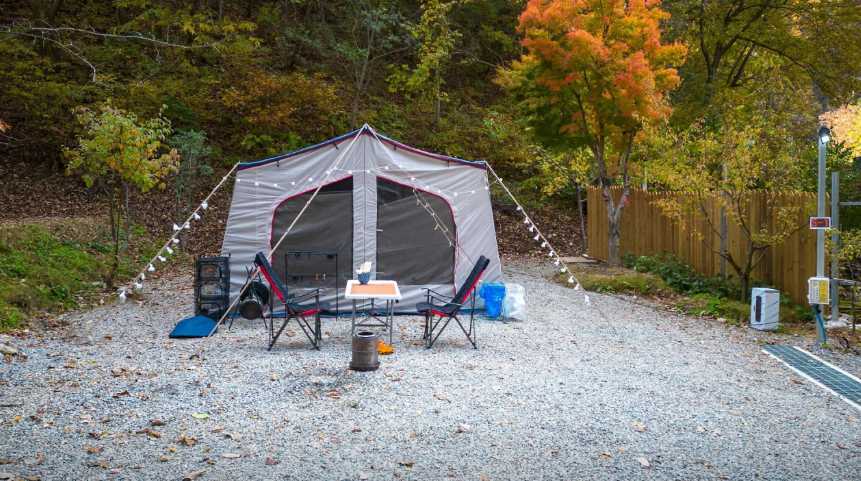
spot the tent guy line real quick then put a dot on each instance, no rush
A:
(254, 270)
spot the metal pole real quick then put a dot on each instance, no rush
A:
(835, 245)
(820, 209)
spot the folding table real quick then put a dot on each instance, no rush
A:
(376, 290)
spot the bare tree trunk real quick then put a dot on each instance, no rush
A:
(115, 235)
(128, 215)
(614, 258)
(582, 215)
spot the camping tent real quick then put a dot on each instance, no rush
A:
(420, 218)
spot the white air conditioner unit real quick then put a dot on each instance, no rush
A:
(764, 308)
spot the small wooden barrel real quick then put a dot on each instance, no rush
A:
(365, 356)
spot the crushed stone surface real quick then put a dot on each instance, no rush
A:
(617, 389)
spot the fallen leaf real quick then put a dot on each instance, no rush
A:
(93, 449)
(200, 415)
(193, 475)
(606, 455)
(186, 440)
(231, 455)
(164, 458)
(638, 426)
(464, 428)
(217, 429)
(273, 377)
(270, 461)
(407, 463)
(356, 430)
(121, 393)
(334, 394)
(71, 364)
(156, 422)
(644, 462)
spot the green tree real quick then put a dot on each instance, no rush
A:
(119, 152)
(596, 73)
(728, 168)
(194, 150)
(437, 39)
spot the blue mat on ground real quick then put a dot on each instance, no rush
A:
(197, 326)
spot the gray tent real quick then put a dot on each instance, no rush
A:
(420, 218)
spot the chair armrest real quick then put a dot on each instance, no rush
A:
(303, 297)
(438, 295)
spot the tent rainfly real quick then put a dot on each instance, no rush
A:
(420, 218)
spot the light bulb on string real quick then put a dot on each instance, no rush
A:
(551, 254)
(137, 286)
(556, 262)
(544, 244)
(162, 258)
(169, 250)
(577, 287)
(176, 228)
(526, 220)
(150, 268)
(195, 216)
(571, 279)
(562, 270)
(519, 208)
(122, 295)
(175, 240)
(204, 205)
(187, 225)
(536, 237)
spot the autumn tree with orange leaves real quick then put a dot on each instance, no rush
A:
(594, 75)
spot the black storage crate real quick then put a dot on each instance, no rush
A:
(211, 286)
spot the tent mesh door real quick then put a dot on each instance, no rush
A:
(327, 225)
(410, 249)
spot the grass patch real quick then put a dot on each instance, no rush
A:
(622, 281)
(694, 294)
(51, 268)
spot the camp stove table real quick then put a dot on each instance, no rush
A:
(373, 291)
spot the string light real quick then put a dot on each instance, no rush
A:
(150, 268)
(544, 244)
(196, 216)
(537, 236)
(175, 240)
(169, 250)
(138, 286)
(161, 258)
(176, 228)
(204, 205)
(122, 295)
(187, 225)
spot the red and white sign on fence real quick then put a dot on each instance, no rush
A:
(817, 223)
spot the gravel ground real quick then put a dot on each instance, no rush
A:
(569, 394)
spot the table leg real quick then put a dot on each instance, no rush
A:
(353, 320)
(391, 312)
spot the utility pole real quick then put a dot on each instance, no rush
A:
(823, 136)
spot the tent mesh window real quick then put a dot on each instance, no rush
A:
(327, 225)
(409, 248)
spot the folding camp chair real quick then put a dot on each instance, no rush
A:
(449, 307)
(295, 307)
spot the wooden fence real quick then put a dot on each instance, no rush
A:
(646, 230)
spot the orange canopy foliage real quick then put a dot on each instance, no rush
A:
(605, 58)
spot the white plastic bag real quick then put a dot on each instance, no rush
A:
(514, 305)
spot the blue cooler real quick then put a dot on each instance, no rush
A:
(493, 294)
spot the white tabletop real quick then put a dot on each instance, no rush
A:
(349, 294)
